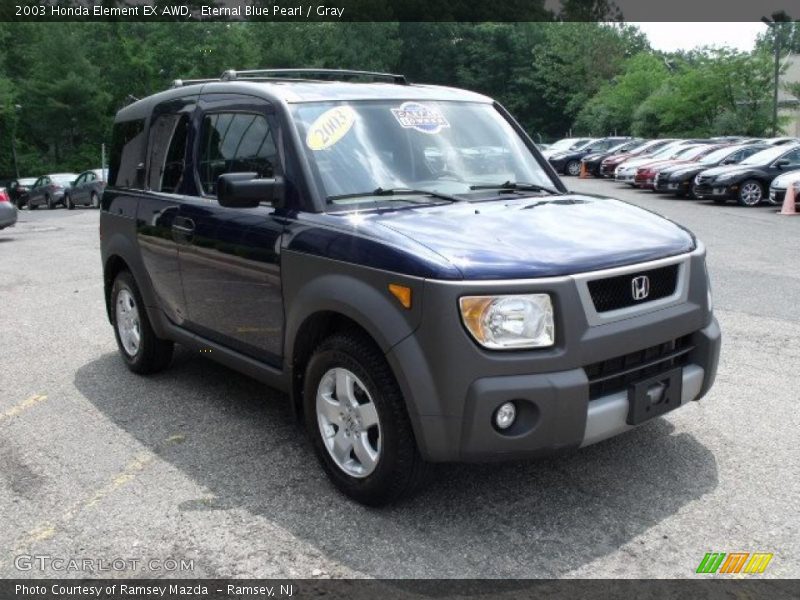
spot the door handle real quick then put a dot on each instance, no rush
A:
(182, 229)
(183, 225)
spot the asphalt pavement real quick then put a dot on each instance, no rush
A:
(203, 465)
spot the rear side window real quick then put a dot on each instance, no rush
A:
(235, 143)
(168, 133)
(127, 148)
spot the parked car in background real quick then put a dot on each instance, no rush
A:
(646, 174)
(18, 190)
(608, 165)
(679, 178)
(564, 145)
(568, 162)
(8, 212)
(87, 189)
(747, 182)
(782, 141)
(591, 162)
(626, 171)
(779, 185)
(49, 190)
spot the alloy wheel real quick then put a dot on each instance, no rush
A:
(128, 324)
(348, 422)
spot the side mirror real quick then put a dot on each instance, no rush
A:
(728, 161)
(780, 163)
(246, 190)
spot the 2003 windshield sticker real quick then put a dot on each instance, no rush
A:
(413, 115)
(330, 127)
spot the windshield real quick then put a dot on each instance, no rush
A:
(694, 152)
(567, 143)
(63, 178)
(446, 147)
(765, 156)
(721, 154)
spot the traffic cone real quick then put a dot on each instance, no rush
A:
(584, 171)
(788, 207)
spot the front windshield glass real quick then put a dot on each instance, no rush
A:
(765, 156)
(359, 148)
(718, 155)
(694, 152)
(566, 143)
(63, 178)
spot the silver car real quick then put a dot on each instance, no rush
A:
(8, 212)
(87, 189)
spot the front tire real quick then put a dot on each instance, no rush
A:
(356, 418)
(142, 351)
(751, 193)
(573, 168)
(68, 202)
(95, 200)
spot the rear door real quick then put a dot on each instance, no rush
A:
(78, 191)
(159, 229)
(230, 257)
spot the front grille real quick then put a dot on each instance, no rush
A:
(613, 293)
(662, 179)
(616, 374)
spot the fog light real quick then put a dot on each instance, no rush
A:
(505, 415)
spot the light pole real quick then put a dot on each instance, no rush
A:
(775, 26)
(17, 109)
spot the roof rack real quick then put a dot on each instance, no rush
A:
(305, 74)
(323, 74)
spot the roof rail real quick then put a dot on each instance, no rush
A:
(323, 74)
(176, 83)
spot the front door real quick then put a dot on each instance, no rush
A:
(230, 257)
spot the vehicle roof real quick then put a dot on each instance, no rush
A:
(293, 91)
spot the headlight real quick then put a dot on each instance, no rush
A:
(508, 322)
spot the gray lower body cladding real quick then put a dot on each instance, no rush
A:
(453, 386)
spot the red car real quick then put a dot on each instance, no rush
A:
(646, 174)
(612, 162)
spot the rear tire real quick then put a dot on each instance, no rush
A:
(341, 428)
(68, 202)
(141, 349)
(50, 204)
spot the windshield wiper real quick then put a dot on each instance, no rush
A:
(398, 191)
(517, 186)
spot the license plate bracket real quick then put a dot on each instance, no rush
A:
(654, 396)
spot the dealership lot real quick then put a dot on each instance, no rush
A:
(203, 465)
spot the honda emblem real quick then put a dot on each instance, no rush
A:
(640, 287)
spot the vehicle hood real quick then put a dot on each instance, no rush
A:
(730, 170)
(535, 236)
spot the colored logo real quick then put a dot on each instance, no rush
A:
(425, 119)
(734, 562)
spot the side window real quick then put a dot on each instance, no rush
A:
(793, 157)
(235, 143)
(80, 179)
(90, 177)
(127, 148)
(167, 158)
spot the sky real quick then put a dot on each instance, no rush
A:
(669, 37)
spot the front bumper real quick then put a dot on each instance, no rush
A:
(453, 387)
(715, 190)
(667, 186)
